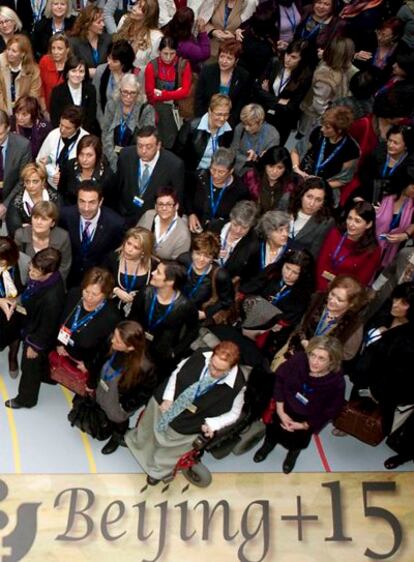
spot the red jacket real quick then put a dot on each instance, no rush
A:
(340, 260)
(50, 77)
(167, 72)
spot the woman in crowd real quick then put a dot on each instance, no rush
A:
(171, 235)
(351, 248)
(223, 77)
(239, 243)
(77, 90)
(199, 138)
(167, 82)
(42, 233)
(320, 25)
(52, 65)
(387, 165)
(19, 74)
(108, 76)
(336, 312)
(89, 165)
(272, 182)
(13, 277)
(10, 24)
(330, 81)
(252, 137)
(382, 369)
(89, 316)
(140, 28)
(194, 48)
(131, 266)
(273, 227)
(216, 192)
(56, 20)
(29, 122)
(43, 300)
(208, 286)
(309, 391)
(124, 114)
(394, 218)
(311, 215)
(61, 144)
(33, 191)
(126, 380)
(283, 86)
(332, 153)
(88, 39)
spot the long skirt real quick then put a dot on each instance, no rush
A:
(157, 451)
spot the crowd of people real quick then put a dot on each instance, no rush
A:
(241, 166)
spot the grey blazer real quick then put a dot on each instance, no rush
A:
(19, 153)
(313, 234)
(59, 239)
(176, 244)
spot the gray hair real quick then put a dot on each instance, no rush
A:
(10, 14)
(245, 213)
(129, 81)
(332, 346)
(224, 157)
(272, 220)
(252, 112)
(48, 9)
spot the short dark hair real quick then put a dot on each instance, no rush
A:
(73, 114)
(405, 291)
(29, 104)
(175, 272)
(99, 276)
(90, 141)
(89, 186)
(73, 62)
(407, 133)
(167, 191)
(122, 51)
(313, 182)
(47, 260)
(148, 131)
(9, 252)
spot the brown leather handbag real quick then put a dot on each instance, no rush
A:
(362, 419)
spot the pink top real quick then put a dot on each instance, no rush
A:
(384, 217)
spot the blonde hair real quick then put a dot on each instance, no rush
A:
(34, 168)
(332, 346)
(252, 112)
(46, 209)
(10, 14)
(25, 47)
(48, 9)
(144, 237)
(218, 100)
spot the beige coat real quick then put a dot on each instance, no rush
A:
(27, 83)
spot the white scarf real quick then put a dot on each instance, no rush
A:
(9, 286)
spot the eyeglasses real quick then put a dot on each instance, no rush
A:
(223, 115)
(5, 22)
(129, 93)
(165, 205)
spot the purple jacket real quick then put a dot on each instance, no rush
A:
(195, 50)
(326, 394)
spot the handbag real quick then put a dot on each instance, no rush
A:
(88, 416)
(65, 371)
(362, 419)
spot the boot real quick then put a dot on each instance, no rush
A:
(290, 461)
(113, 444)
(13, 363)
(264, 450)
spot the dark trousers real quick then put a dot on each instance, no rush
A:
(34, 371)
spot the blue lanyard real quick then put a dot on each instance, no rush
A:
(258, 143)
(214, 204)
(290, 14)
(386, 170)
(129, 281)
(308, 34)
(142, 188)
(215, 141)
(322, 328)
(37, 10)
(203, 374)
(227, 12)
(282, 82)
(152, 325)
(263, 255)
(69, 149)
(106, 375)
(385, 60)
(283, 292)
(306, 389)
(95, 56)
(2, 287)
(123, 126)
(334, 259)
(396, 218)
(77, 324)
(321, 163)
(200, 279)
(55, 30)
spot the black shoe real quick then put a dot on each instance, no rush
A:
(152, 481)
(395, 461)
(290, 461)
(111, 446)
(263, 452)
(12, 403)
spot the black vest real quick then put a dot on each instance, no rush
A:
(216, 401)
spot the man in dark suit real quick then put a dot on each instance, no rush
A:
(15, 153)
(142, 170)
(94, 230)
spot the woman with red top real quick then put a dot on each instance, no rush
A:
(51, 65)
(167, 80)
(351, 249)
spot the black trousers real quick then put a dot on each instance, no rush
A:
(34, 372)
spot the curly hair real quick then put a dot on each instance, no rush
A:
(295, 203)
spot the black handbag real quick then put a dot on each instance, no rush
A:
(402, 439)
(88, 416)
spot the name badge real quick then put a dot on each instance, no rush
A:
(64, 336)
(1, 184)
(328, 275)
(104, 386)
(138, 201)
(21, 309)
(302, 398)
(191, 408)
(149, 336)
(118, 148)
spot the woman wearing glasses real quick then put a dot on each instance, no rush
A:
(123, 115)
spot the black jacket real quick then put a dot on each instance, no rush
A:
(69, 182)
(61, 98)
(42, 32)
(83, 49)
